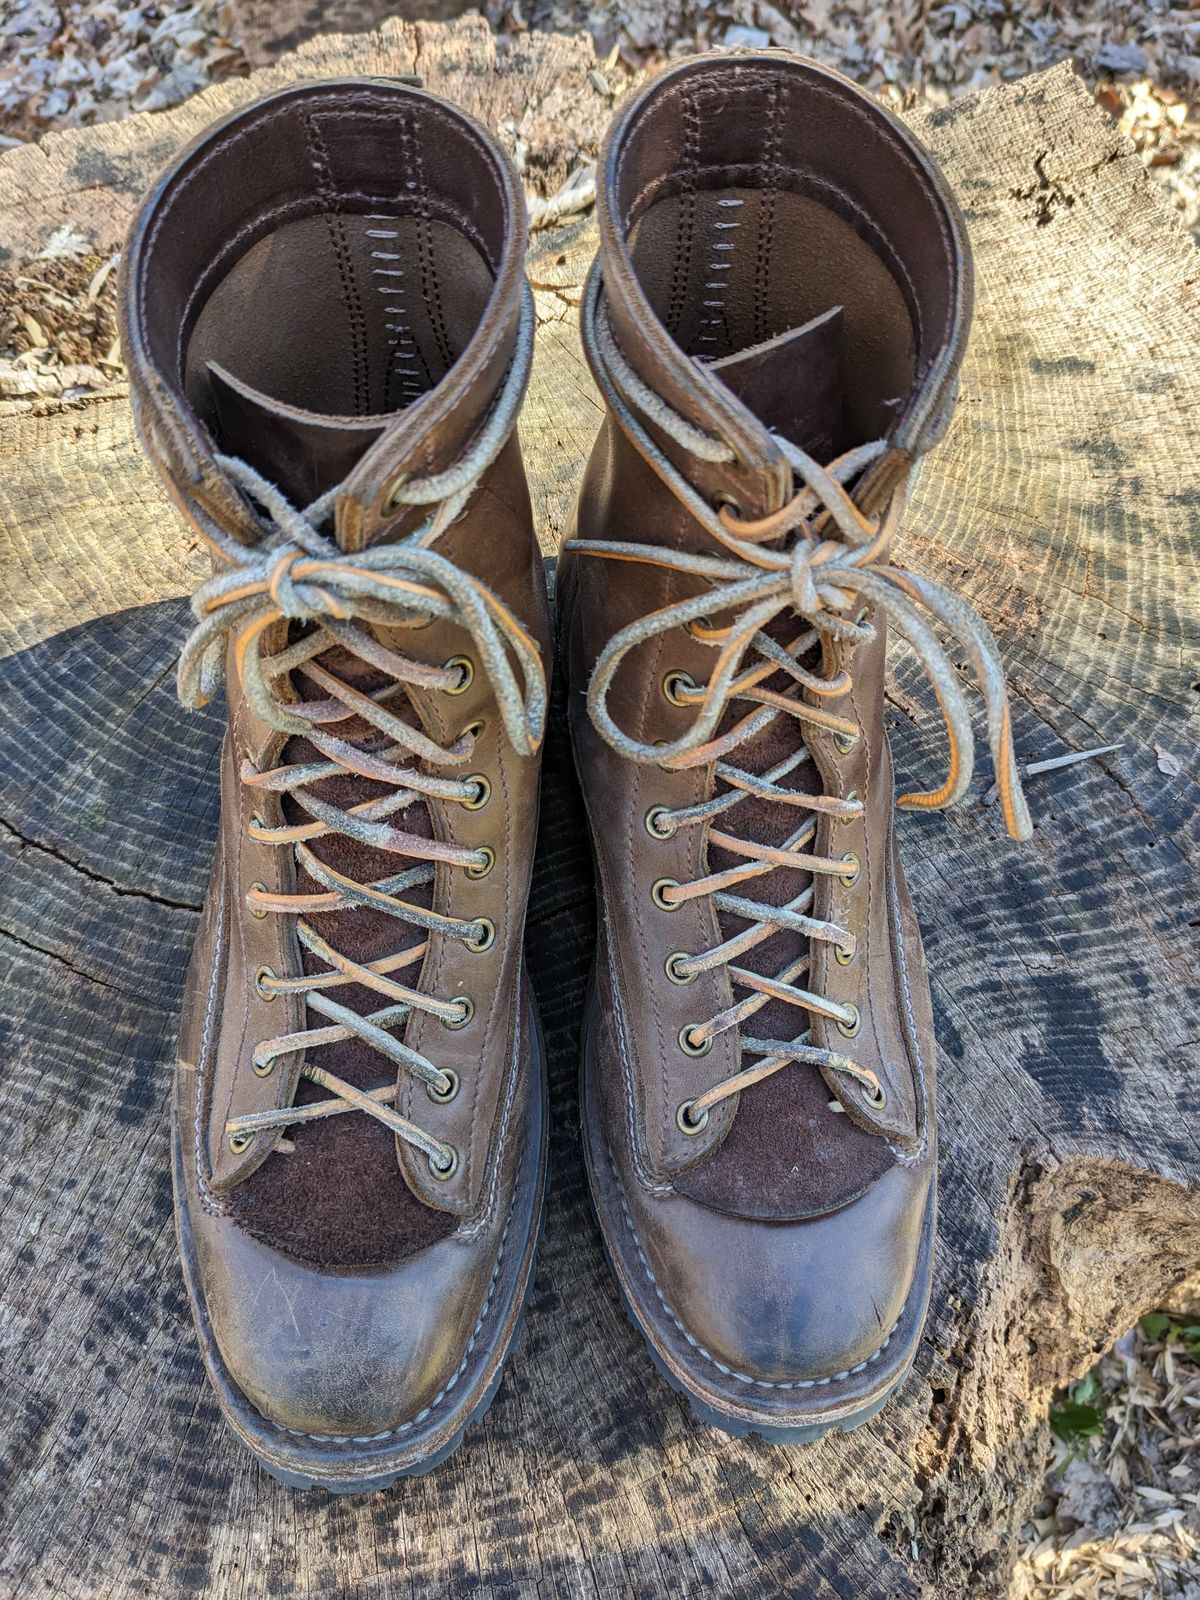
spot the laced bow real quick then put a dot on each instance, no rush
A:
(297, 573)
(822, 561)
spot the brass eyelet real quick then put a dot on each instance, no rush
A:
(264, 994)
(842, 956)
(476, 873)
(853, 867)
(670, 967)
(443, 1097)
(486, 938)
(876, 1098)
(686, 1045)
(656, 893)
(483, 792)
(263, 1069)
(675, 680)
(852, 1028)
(474, 730)
(239, 1141)
(258, 911)
(683, 1119)
(468, 1011)
(653, 818)
(722, 498)
(851, 799)
(467, 667)
(391, 502)
(845, 742)
(256, 821)
(444, 1172)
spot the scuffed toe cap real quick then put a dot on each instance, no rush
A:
(356, 1354)
(787, 1302)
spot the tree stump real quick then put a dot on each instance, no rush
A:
(268, 29)
(1064, 506)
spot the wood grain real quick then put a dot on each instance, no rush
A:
(268, 29)
(1063, 505)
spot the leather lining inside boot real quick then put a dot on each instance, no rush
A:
(726, 269)
(341, 314)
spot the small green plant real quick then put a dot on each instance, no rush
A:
(1076, 1418)
(1160, 1328)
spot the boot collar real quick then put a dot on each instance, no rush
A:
(211, 206)
(835, 143)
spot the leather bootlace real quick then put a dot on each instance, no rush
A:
(832, 570)
(298, 573)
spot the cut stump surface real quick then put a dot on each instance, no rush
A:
(1064, 506)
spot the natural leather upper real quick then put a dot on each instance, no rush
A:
(329, 286)
(779, 261)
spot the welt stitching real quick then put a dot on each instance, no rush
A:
(319, 160)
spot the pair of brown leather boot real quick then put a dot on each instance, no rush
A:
(328, 333)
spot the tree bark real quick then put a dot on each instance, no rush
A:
(1063, 505)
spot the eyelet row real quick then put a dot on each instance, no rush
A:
(238, 1142)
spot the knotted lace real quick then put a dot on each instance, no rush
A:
(298, 573)
(820, 560)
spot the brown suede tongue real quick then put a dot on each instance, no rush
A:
(787, 1154)
(303, 453)
(792, 383)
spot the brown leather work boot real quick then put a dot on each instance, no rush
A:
(776, 318)
(328, 333)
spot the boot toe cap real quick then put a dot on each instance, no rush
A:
(790, 1304)
(337, 1356)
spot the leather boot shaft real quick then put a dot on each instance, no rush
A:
(328, 333)
(775, 319)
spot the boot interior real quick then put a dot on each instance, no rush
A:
(757, 194)
(341, 314)
(726, 269)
